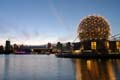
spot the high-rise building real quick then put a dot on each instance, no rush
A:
(7, 47)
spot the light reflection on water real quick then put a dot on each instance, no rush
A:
(44, 67)
(35, 67)
(97, 69)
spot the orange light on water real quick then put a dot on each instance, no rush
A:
(89, 64)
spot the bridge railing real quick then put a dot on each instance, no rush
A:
(115, 37)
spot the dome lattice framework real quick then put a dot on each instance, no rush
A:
(93, 27)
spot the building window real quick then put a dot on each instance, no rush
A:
(107, 45)
(93, 45)
(117, 45)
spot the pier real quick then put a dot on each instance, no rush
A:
(89, 56)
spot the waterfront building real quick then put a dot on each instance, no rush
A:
(94, 33)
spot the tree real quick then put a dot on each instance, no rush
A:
(59, 46)
(68, 47)
(49, 45)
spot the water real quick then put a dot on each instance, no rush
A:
(48, 67)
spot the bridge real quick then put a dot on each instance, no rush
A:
(115, 37)
(41, 50)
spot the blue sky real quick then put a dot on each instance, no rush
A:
(37, 22)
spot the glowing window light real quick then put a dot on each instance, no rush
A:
(107, 45)
(93, 45)
(117, 44)
(96, 25)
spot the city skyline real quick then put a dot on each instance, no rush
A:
(35, 22)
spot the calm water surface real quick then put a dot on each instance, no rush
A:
(48, 67)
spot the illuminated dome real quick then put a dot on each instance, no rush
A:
(93, 27)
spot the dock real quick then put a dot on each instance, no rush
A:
(88, 56)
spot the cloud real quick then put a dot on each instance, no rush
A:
(17, 34)
(8, 29)
(7, 26)
(33, 34)
(67, 38)
(59, 17)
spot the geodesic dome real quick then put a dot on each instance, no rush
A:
(93, 27)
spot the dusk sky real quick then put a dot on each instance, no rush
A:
(36, 22)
